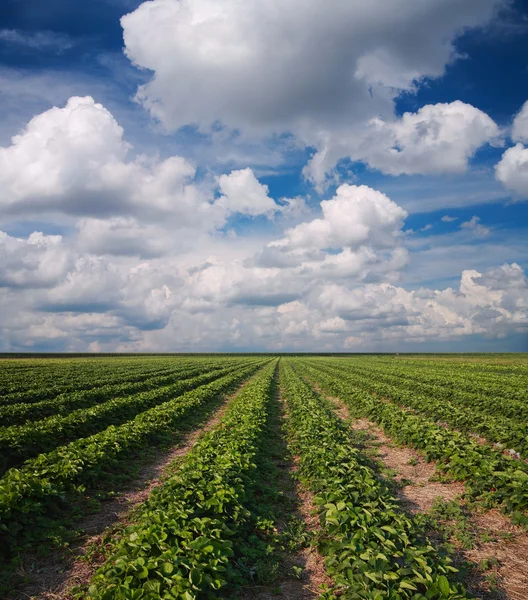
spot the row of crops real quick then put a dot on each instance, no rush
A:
(73, 429)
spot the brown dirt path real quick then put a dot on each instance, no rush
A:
(52, 577)
(497, 541)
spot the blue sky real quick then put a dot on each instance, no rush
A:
(178, 205)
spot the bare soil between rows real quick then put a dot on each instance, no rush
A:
(51, 578)
(496, 537)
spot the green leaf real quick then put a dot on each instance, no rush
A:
(443, 585)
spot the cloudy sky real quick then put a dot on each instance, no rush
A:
(196, 175)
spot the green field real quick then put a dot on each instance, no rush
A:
(259, 476)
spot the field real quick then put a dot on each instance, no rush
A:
(257, 477)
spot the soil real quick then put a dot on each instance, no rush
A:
(308, 559)
(52, 577)
(503, 545)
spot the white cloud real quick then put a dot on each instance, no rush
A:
(75, 160)
(357, 215)
(46, 41)
(141, 296)
(512, 170)
(474, 225)
(439, 138)
(243, 193)
(520, 125)
(144, 265)
(318, 71)
(448, 219)
(37, 261)
(122, 236)
(481, 305)
(57, 149)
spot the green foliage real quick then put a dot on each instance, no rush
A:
(212, 525)
(489, 475)
(187, 539)
(373, 549)
(34, 497)
(89, 390)
(20, 442)
(451, 519)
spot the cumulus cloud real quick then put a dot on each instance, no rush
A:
(356, 216)
(226, 63)
(122, 236)
(243, 193)
(36, 261)
(512, 170)
(74, 160)
(386, 312)
(140, 296)
(439, 138)
(519, 131)
(448, 219)
(144, 264)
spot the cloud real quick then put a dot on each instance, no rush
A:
(476, 228)
(122, 236)
(229, 64)
(243, 193)
(143, 262)
(512, 170)
(45, 41)
(448, 219)
(140, 296)
(357, 215)
(37, 261)
(481, 305)
(439, 138)
(519, 131)
(75, 160)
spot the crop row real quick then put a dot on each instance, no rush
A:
(44, 379)
(34, 496)
(488, 474)
(65, 403)
(448, 388)
(91, 381)
(20, 442)
(452, 377)
(374, 550)
(467, 416)
(478, 368)
(182, 542)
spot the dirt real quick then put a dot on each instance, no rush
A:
(509, 546)
(418, 491)
(419, 494)
(308, 587)
(51, 578)
(497, 540)
(478, 439)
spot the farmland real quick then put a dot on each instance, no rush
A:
(248, 476)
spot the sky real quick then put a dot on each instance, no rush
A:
(266, 175)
